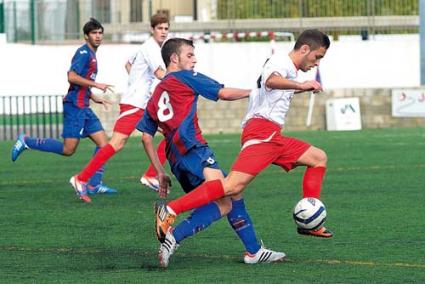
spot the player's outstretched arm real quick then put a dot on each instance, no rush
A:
(275, 81)
(232, 94)
(76, 79)
(164, 179)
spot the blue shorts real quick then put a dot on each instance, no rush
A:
(189, 168)
(79, 122)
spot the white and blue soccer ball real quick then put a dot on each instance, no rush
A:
(310, 213)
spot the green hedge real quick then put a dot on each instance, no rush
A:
(1, 17)
(257, 9)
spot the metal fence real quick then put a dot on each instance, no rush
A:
(38, 116)
(58, 20)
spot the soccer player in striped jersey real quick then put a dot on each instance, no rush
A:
(173, 108)
(79, 121)
(144, 68)
(262, 141)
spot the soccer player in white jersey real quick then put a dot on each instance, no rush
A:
(262, 141)
(143, 68)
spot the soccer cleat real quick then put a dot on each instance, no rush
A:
(167, 248)
(264, 255)
(100, 189)
(150, 182)
(80, 189)
(19, 147)
(321, 232)
(163, 221)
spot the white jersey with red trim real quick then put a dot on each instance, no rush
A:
(143, 65)
(273, 104)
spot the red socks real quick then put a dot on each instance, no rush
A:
(202, 195)
(312, 181)
(96, 162)
(150, 172)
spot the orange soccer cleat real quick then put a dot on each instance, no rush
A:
(164, 220)
(321, 232)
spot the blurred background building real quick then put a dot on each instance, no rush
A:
(374, 56)
(57, 20)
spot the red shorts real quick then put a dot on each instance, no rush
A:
(128, 119)
(263, 144)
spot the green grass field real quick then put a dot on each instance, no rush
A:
(374, 192)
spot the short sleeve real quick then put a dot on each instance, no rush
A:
(79, 61)
(201, 84)
(274, 65)
(152, 56)
(132, 58)
(147, 124)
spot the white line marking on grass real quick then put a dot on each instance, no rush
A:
(368, 263)
(131, 251)
(360, 168)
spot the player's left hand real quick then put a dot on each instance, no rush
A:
(164, 184)
(104, 87)
(110, 88)
(100, 99)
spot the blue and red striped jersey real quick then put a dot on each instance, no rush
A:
(173, 108)
(83, 63)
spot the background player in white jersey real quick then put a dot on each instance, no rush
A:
(262, 141)
(144, 67)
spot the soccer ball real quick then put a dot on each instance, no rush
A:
(309, 213)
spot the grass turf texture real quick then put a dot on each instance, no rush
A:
(374, 193)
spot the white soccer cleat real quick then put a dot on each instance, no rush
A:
(166, 249)
(264, 255)
(150, 182)
(80, 189)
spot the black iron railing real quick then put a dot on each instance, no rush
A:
(38, 116)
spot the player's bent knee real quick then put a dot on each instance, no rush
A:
(322, 157)
(316, 157)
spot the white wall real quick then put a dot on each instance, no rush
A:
(384, 62)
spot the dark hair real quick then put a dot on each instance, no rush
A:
(173, 46)
(159, 18)
(313, 38)
(92, 25)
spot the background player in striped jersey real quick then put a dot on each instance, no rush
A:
(173, 108)
(79, 121)
(262, 141)
(143, 68)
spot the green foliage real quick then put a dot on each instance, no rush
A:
(2, 17)
(258, 9)
(373, 191)
(31, 119)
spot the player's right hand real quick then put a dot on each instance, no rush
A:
(312, 85)
(164, 184)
